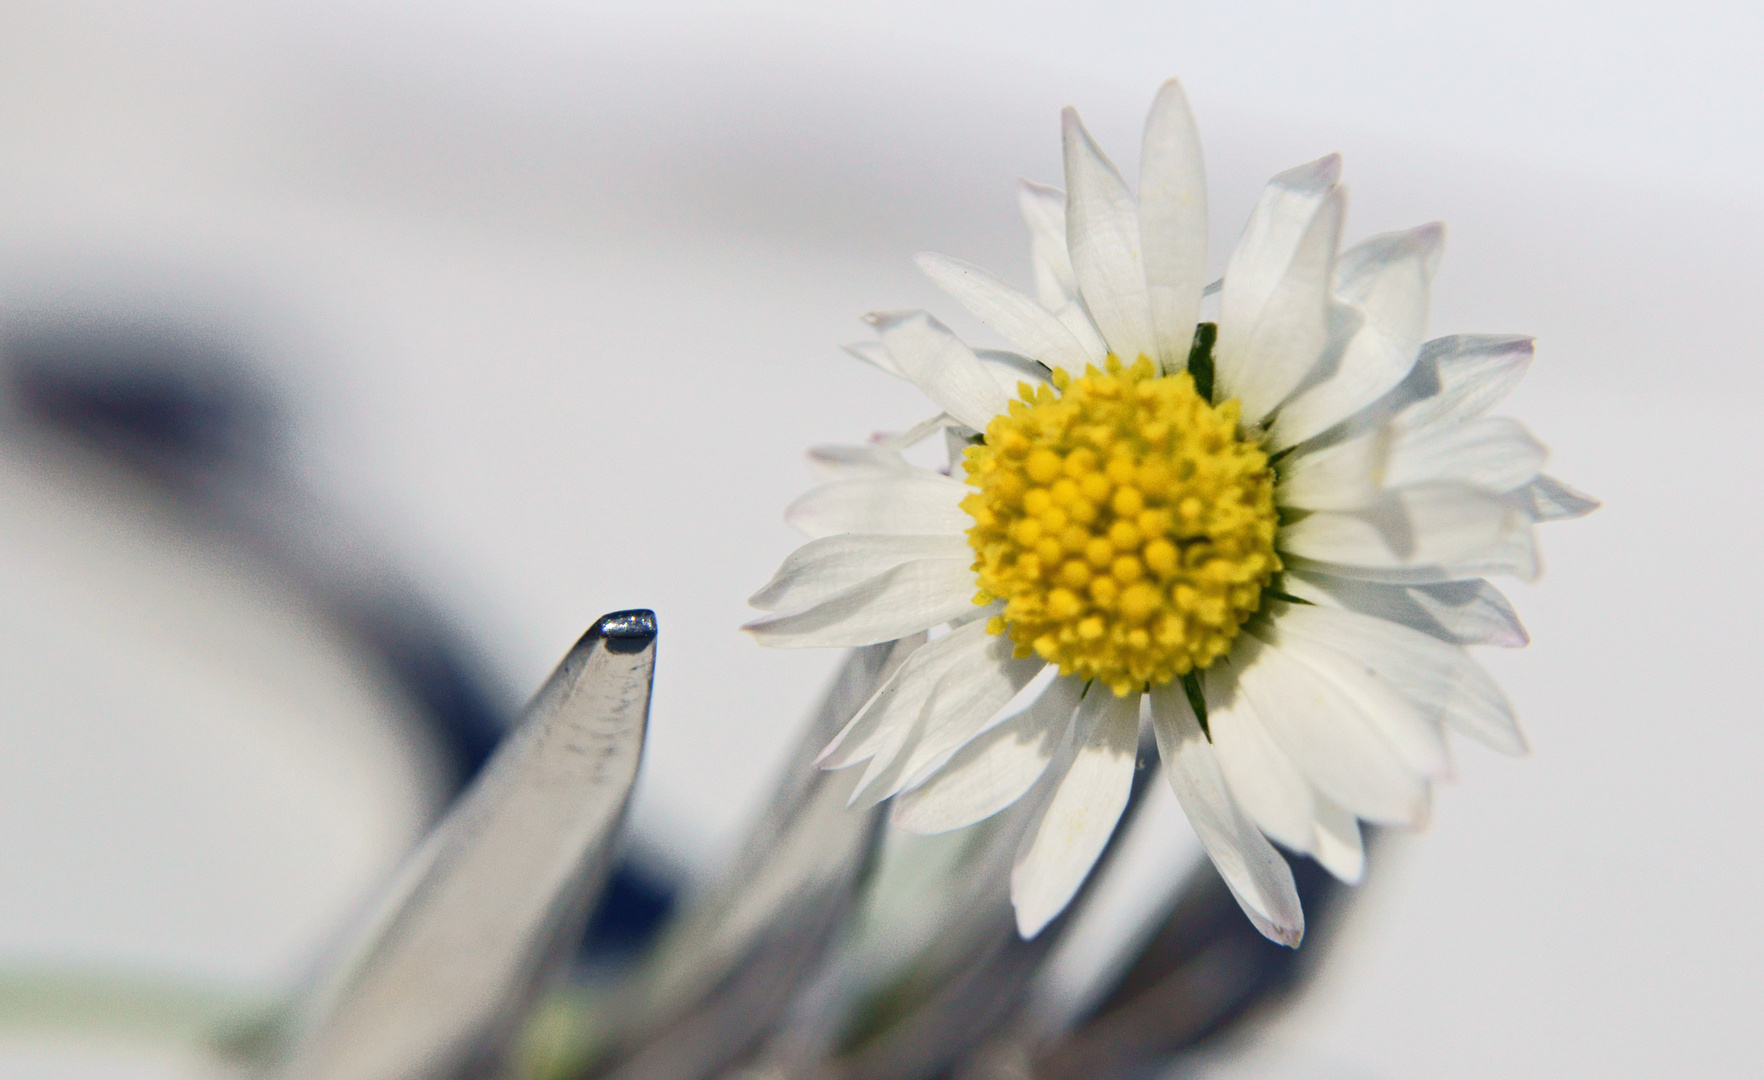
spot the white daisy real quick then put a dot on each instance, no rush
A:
(1273, 528)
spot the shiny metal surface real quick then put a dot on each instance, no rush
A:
(502, 887)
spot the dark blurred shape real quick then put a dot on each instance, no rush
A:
(166, 402)
(637, 902)
(1204, 972)
(181, 409)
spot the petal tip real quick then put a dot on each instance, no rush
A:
(825, 759)
(1313, 177)
(1430, 239)
(1031, 923)
(1289, 934)
(902, 817)
(1072, 135)
(1170, 96)
(885, 320)
(760, 630)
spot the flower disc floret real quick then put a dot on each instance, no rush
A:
(1124, 523)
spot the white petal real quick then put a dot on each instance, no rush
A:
(1078, 820)
(1494, 453)
(1460, 377)
(901, 699)
(1102, 234)
(821, 569)
(922, 503)
(1271, 788)
(1387, 280)
(836, 462)
(1296, 327)
(1023, 322)
(1011, 371)
(887, 764)
(1256, 874)
(956, 442)
(1417, 535)
(1441, 679)
(1348, 475)
(1324, 731)
(941, 365)
(1469, 612)
(1364, 673)
(875, 354)
(1044, 209)
(995, 769)
(1263, 780)
(1516, 557)
(1548, 499)
(1173, 223)
(914, 435)
(910, 597)
(1337, 845)
(962, 705)
(1282, 224)
(1270, 236)
(1077, 320)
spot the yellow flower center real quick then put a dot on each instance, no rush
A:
(1127, 527)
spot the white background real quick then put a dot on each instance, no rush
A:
(554, 292)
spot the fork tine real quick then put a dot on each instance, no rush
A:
(501, 887)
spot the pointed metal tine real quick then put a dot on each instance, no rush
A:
(971, 978)
(726, 973)
(501, 887)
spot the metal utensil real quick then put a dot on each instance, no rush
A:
(501, 890)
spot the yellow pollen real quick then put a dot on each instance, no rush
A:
(1126, 526)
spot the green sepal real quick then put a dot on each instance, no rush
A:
(1191, 686)
(1200, 359)
(1276, 594)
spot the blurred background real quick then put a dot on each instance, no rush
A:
(357, 356)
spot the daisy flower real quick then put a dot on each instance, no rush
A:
(1268, 532)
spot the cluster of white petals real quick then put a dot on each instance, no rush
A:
(1398, 496)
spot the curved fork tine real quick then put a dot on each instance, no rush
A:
(501, 886)
(969, 984)
(721, 980)
(1205, 972)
